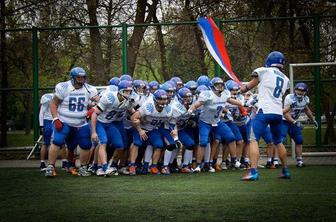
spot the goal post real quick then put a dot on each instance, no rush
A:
(291, 76)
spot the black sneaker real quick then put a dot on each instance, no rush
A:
(43, 167)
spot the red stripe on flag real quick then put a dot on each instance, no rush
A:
(220, 42)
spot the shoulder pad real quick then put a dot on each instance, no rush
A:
(149, 107)
(110, 97)
(168, 108)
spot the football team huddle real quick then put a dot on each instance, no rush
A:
(133, 127)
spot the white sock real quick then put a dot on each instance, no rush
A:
(174, 154)
(187, 157)
(167, 156)
(148, 153)
(207, 153)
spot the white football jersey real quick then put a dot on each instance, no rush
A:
(252, 103)
(180, 115)
(299, 104)
(272, 86)
(237, 118)
(112, 109)
(45, 109)
(73, 107)
(136, 101)
(151, 118)
(213, 106)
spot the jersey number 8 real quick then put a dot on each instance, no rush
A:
(278, 87)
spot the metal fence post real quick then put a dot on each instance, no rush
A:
(317, 78)
(35, 83)
(124, 48)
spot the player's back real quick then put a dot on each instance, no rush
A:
(272, 86)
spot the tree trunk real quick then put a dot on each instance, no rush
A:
(96, 63)
(138, 32)
(162, 47)
(200, 45)
(4, 80)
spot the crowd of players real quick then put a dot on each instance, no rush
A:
(134, 127)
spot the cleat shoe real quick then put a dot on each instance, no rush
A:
(43, 167)
(132, 170)
(270, 165)
(186, 170)
(197, 170)
(50, 171)
(144, 170)
(124, 171)
(224, 166)
(111, 171)
(211, 169)
(92, 169)
(174, 169)
(83, 172)
(285, 174)
(100, 172)
(217, 167)
(300, 164)
(165, 170)
(250, 177)
(235, 166)
(72, 171)
(154, 170)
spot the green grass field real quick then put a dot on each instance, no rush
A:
(26, 195)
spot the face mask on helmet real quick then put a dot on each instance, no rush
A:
(78, 76)
(125, 93)
(162, 101)
(300, 90)
(218, 87)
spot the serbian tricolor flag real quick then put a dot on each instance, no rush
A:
(215, 43)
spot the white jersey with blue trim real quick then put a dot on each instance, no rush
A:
(180, 115)
(299, 104)
(73, 108)
(237, 117)
(136, 100)
(45, 108)
(213, 106)
(272, 86)
(45, 101)
(113, 109)
(252, 103)
(151, 118)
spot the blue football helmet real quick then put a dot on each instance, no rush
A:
(139, 86)
(184, 95)
(201, 88)
(169, 88)
(203, 80)
(125, 88)
(192, 85)
(114, 81)
(232, 85)
(217, 84)
(178, 82)
(160, 98)
(75, 72)
(153, 86)
(126, 77)
(275, 59)
(300, 89)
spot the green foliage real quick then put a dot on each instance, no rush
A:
(309, 196)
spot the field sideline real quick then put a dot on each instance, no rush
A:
(310, 196)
